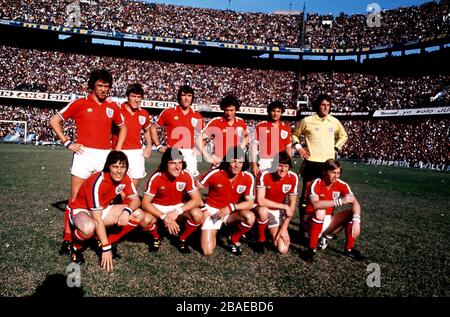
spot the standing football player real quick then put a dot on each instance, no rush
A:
(94, 117)
(136, 120)
(183, 124)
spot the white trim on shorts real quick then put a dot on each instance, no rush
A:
(136, 162)
(191, 161)
(166, 209)
(74, 212)
(265, 164)
(276, 217)
(211, 222)
(91, 161)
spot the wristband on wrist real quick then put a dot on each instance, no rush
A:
(179, 210)
(158, 147)
(298, 146)
(232, 207)
(163, 216)
(106, 248)
(128, 209)
(356, 218)
(337, 202)
(67, 143)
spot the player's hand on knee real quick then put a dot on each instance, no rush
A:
(172, 226)
(356, 229)
(107, 261)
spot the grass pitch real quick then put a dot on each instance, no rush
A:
(405, 231)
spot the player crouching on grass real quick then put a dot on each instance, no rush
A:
(230, 198)
(272, 211)
(165, 199)
(91, 213)
(323, 195)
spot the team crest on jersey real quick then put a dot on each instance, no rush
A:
(141, 120)
(240, 131)
(120, 188)
(194, 122)
(336, 195)
(286, 187)
(241, 188)
(109, 112)
(284, 134)
(175, 118)
(89, 109)
(181, 186)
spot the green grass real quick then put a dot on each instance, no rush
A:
(405, 229)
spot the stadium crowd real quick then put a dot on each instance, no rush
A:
(161, 20)
(57, 72)
(396, 26)
(425, 140)
(420, 140)
(343, 31)
(367, 92)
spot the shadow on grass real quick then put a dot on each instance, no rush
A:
(55, 285)
(61, 205)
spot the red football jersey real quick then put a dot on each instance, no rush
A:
(167, 192)
(94, 121)
(225, 135)
(272, 139)
(180, 127)
(318, 188)
(222, 191)
(135, 122)
(98, 191)
(276, 190)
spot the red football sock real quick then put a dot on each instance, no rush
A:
(114, 237)
(241, 228)
(314, 232)
(153, 231)
(67, 227)
(348, 234)
(262, 226)
(189, 228)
